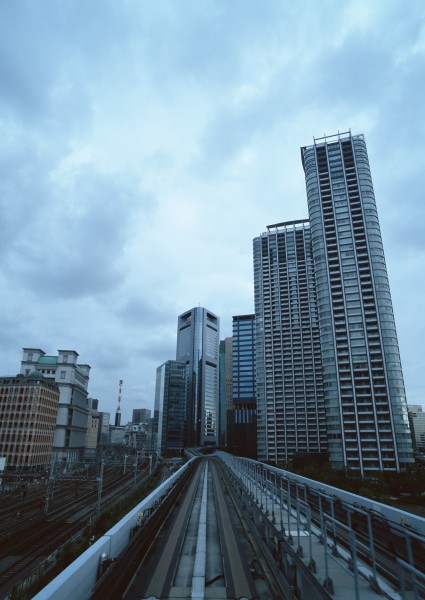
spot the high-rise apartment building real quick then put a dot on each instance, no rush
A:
(242, 414)
(290, 400)
(28, 412)
(170, 406)
(198, 337)
(72, 417)
(366, 410)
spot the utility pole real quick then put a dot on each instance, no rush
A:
(49, 486)
(135, 470)
(99, 488)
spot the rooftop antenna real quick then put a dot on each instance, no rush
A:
(118, 413)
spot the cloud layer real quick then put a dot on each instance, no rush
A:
(144, 144)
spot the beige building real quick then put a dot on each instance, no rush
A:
(28, 412)
(92, 429)
(72, 379)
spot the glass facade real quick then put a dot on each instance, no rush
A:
(290, 400)
(170, 406)
(225, 385)
(242, 414)
(366, 410)
(198, 336)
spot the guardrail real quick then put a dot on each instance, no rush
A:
(370, 540)
(80, 577)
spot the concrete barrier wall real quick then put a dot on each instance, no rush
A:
(78, 580)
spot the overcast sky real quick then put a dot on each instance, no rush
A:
(145, 143)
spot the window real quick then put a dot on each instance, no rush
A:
(63, 374)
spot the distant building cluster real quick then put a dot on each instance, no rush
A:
(314, 372)
(47, 417)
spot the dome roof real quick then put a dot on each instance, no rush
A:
(35, 375)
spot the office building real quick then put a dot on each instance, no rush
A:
(225, 385)
(242, 413)
(103, 437)
(72, 379)
(28, 412)
(417, 426)
(170, 407)
(366, 409)
(289, 387)
(93, 423)
(198, 337)
(141, 415)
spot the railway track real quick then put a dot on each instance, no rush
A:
(38, 537)
(198, 543)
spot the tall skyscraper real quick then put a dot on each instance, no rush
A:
(242, 413)
(225, 385)
(198, 337)
(366, 410)
(290, 402)
(170, 406)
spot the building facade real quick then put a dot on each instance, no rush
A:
(93, 423)
(72, 417)
(170, 407)
(28, 412)
(417, 426)
(242, 413)
(103, 437)
(198, 337)
(141, 415)
(225, 385)
(289, 385)
(366, 409)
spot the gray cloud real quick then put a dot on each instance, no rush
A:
(145, 144)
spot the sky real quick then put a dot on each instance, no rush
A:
(145, 143)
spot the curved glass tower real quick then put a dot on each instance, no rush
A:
(365, 402)
(198, 337)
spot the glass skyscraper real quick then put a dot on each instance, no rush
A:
(242, 414)
(170, 406)
(366, 410)
(290, 400)
(198, 337)
(225, 385)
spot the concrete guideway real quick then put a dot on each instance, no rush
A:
(201, 555)
(225, 527)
